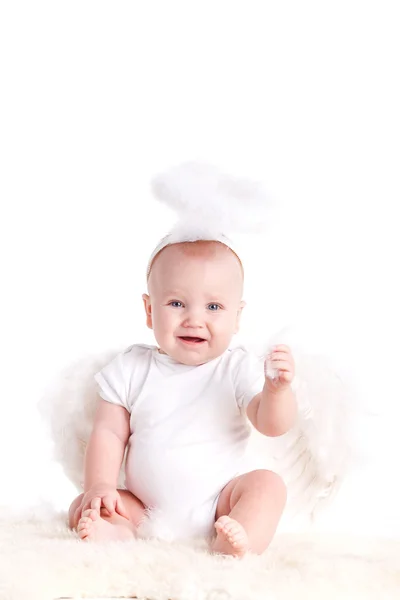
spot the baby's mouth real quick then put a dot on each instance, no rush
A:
(191, 340)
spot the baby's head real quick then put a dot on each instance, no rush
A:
(195, 300)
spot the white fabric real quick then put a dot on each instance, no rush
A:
(189, 428)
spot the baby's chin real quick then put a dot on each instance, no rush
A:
(191, 354)
(193, 357)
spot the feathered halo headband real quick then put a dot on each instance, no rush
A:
(210, 205)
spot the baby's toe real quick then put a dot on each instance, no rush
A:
(231, 528)
(83, 533)
(236, 529)
(84, 520)
(222, 522)
(236, 539)
(91, 514)
(225, 524)
(82, 525)
(233, 535)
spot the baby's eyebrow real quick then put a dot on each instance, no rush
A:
(216, 295)
(173, 293)
(208, 297)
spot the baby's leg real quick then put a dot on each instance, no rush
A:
(100, 526)
(248, 512)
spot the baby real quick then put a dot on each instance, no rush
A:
(184, 408)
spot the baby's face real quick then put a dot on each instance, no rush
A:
(194, 302)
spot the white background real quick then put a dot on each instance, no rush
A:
(98, 97)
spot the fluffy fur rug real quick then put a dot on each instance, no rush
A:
(42, 560)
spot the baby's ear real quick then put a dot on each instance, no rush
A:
(239, 314)
(147, 308)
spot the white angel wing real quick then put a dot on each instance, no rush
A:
(68, 410)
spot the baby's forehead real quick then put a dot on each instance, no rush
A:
(200, 250)
(196, 254)
(175, 262)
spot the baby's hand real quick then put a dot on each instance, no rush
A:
(281, 361)
(103, 496)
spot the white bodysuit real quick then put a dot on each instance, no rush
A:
(189, 429)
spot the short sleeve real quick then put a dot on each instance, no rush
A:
(113, 383)
(248, 376)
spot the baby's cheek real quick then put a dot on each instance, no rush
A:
(163, 321)
(161, 331)
(224, 327)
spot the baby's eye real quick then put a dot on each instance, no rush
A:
(213, 306)
(175, 303)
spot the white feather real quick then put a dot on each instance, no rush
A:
(209, 202)
(68, 408)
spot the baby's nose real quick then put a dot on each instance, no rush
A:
(193, 319)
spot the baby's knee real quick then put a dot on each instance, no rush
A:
(269, 482)
(72, 519)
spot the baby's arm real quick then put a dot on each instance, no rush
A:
(274, 410)
(106, 447)
(273, 413)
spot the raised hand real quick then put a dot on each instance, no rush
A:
(281, 363)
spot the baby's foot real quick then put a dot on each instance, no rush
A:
(231, 537)
(92, 527)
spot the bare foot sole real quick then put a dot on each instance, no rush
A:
(92, 527)
(231, 538)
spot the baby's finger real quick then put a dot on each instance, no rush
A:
(285, 375)
(280, 356)
(281, 365)
(95, 504)
(84, 506)
(281, 348)
(109, 504)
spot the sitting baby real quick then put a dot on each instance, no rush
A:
(184, 408)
